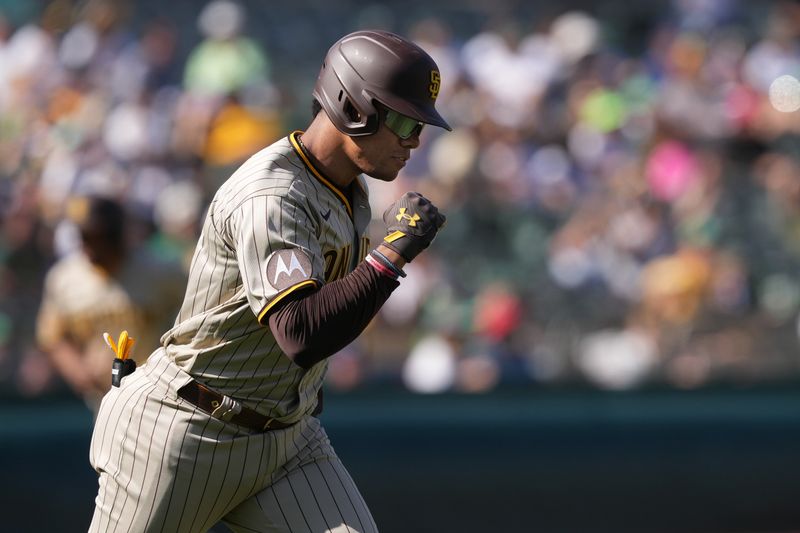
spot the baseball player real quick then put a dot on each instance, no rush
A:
(105, 286)
(219, 424)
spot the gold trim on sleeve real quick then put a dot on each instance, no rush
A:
(281, 296)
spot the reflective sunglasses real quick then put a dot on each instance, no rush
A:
(401, 125)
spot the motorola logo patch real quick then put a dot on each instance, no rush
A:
(286, 268)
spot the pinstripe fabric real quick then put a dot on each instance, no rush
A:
(166, 466)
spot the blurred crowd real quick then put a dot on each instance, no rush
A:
(623, 200)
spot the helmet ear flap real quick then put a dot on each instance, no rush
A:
(351, 112)
(358, 122)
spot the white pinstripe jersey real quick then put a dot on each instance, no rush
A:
(276, 201)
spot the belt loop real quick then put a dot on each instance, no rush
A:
(227, 409)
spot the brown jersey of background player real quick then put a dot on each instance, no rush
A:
(108, 284)
(219, 424)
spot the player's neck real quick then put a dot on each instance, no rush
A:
(325, 152)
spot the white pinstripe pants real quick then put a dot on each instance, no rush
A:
(165, 466)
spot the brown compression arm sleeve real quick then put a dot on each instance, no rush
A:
(316, 325)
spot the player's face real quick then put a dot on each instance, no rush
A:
(384, 153)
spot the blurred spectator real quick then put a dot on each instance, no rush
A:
(431, 365)
(618, 359)
(225, 61)
(237, 131)
(230, 96)
(104, 286)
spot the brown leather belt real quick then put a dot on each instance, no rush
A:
(211, 401)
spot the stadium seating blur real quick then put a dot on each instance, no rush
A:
(623, 200)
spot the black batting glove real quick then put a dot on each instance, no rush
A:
(411, 224)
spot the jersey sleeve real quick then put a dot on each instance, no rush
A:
(277, 250)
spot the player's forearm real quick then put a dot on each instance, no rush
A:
(69, 363)
(316, 326)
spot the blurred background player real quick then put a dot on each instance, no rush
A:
(104, 286)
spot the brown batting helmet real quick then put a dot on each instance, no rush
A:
(368, 66)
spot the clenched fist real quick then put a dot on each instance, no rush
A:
(411, 224)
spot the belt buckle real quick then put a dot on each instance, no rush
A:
(269, 423)
(226, 409)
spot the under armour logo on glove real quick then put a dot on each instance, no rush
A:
(412, 219)
(411, 225)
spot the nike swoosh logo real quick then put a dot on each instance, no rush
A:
(326, 215)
